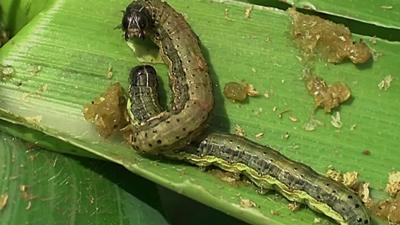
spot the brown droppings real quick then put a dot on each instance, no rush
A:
(389, 210)
(326, 96)
(238, 92)
(314, 35)
(235, 91)
(366, 152)
(107, 112)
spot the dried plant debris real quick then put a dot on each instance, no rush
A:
(6, 72)
(350, 179)
(334, 175)
(3, 201)
(294, 206)
(107, 111)
(109, 73)
(247, 203)
(312, 124)
(250, 90)
(385, 83)
(326, 96)
(393, 185)
(231, 178)
(239, 131)
(238, 92)
(247, 12)
(336, 121)
(363, 191)
(389, 210)
(314, 35)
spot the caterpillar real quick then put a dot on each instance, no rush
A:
(192, 98)
(265, 167)
(143, 93)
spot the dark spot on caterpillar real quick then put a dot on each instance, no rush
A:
(178, 120)
(159, 141)
(177, 137)
(154, 131)
(349, 197)
(150, 145)
(184, 129)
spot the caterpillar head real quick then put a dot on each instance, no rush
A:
(135, 21)
(143, 75)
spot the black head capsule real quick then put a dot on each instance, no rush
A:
(143, 76)
(135, 21)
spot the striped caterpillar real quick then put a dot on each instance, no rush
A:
(190, 83)
(265, 167)
(192, 101)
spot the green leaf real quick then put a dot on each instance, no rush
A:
(380, 13)
(62, 56)
(42, 187)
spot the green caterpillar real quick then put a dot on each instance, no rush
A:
(190, 82)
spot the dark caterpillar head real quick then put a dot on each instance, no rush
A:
(144, 76)
(135, 21)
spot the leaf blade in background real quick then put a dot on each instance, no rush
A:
(49, 188)
(380, 13)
